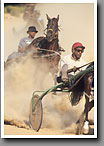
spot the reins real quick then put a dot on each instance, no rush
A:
(55, 33)
(48, 55)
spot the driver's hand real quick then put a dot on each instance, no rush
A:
(65, 80)
(74, 69)
(37, 48)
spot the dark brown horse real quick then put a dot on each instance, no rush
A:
(84, 86)
(49, 46)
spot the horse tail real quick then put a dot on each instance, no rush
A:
(77, 93)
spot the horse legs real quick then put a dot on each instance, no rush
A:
(83, 120)
(86, 108)
(83, 126)
(88, 104)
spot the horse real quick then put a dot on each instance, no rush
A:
(83, 86)
(49, 46)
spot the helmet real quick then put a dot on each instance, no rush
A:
(77, 45)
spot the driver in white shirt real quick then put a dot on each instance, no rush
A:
(73, 60)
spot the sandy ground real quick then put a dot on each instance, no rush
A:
(12, 130)
(59, 117)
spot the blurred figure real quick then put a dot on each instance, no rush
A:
(33, 17)
(36, 16)
(28, 11)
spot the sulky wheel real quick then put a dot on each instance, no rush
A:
(36, 113)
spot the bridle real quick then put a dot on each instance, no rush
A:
(55, 34)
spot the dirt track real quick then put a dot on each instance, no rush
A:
(59, 115)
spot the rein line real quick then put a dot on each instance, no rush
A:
(50, 51)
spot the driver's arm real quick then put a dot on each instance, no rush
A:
(21, 50)
(64, 70)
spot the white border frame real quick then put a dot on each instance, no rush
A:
(2, 69)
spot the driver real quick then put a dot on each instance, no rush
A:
(24, 42)
(72, 61)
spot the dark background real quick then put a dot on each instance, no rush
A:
(78, 142)
(13, 4)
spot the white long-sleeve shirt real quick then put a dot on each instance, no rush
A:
(69, 60)
(24, 42)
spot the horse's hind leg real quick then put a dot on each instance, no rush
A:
(83, 120)
(91, 105)
(88, 104)
(83, 126)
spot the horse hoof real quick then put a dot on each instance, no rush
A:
(86, 127)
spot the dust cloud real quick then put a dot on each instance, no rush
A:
(75, 24)
(20, 81)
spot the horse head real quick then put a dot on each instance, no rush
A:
(52, 28)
